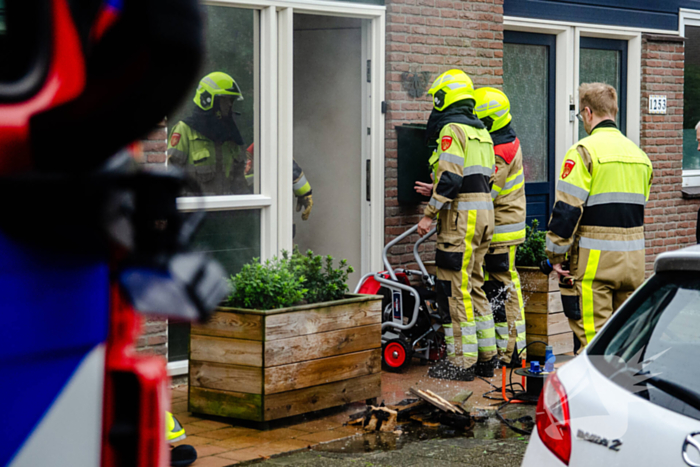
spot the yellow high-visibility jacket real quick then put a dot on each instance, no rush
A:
(601, 193)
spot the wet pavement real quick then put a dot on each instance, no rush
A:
(322, 438)
(490, 443)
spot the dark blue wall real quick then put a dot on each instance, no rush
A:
(648, 14)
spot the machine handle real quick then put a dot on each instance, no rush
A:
(390, 245)
(416, 255)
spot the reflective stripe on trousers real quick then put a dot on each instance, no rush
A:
(449, 339)
(515, 278)
(588, 314)
(466, 296)
(469, 340)
(486, 333)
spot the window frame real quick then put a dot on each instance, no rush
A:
(275, 112)
(688, 17)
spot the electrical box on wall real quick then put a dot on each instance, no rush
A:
(413, 156)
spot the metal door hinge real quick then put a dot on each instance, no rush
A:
(384, 107)
(369, 71)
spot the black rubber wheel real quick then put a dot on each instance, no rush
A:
(396, 355)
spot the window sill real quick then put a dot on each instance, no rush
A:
(178, 368)
(691, 192)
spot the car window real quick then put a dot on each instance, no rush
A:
(652, 344)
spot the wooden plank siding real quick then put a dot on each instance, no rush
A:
(287, 404)
(283, 326)
(544, 313)
(222, 350)
(226, 403)
(237, 378)
(321, 345)
(264, 365)
(322, 371)
(234, 325)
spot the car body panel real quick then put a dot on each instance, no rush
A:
(603, 412)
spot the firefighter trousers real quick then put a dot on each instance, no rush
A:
(506, 297)
(463, 241)
(604, 279)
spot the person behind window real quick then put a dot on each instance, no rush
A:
(208, 144)
(598, 216)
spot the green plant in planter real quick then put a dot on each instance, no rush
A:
(287, 281)
(272, 284)
(532, 252)
(323, 284)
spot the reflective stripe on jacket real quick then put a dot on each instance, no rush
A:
(301, 185)
(508, 193)
(465, 165)
(601, 193)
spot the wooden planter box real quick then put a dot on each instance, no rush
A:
(544, 313)
(265, 365)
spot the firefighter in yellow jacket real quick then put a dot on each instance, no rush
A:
(508, 193)
(463, 167)
(598, 215)
(208, 144)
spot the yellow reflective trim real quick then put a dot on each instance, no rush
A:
(515, 187)
(515, 279)
(587, 294)
(466, 297)
(513, 177)
(303, 190)
(506, 237)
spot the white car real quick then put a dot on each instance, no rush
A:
(632, 398)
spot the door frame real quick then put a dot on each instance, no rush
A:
(568, 35)
(373, 46)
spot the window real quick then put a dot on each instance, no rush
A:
(248, 185)
(652, 341)
(212, 135)
(689, 27)
(605, 61)
(691, 98)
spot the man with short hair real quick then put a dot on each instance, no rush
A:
(598, 215)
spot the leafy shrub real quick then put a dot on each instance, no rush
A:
(266, 286)
(532, 252)
(323, 284)
(289, 280)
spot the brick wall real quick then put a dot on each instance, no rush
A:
(426, 38)
(670, 219)
(154, 340)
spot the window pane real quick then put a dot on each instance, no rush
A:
(212, 134)
(233, 238)
(691, 98)
(600, 66)
(656, 335)
(525, 81)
